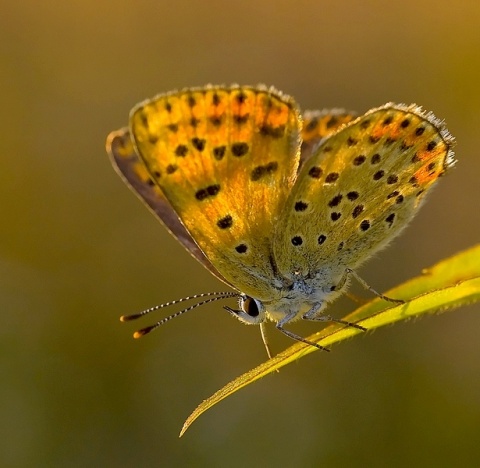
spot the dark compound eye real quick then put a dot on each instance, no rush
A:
(250, 307)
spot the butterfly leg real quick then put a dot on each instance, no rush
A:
(294, 336)
(349, 271)
(316, 315)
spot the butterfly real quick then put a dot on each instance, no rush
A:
(282, 207)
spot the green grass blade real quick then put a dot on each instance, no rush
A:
(449, 284)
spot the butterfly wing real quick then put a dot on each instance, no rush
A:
(360, 189)
(318, 125)
(133, 172)
(225, 159)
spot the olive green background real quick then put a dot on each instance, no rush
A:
(77, 249)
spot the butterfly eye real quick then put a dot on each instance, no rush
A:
(251, 311)
(250, 307)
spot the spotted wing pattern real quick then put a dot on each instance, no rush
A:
(226, 160)
(360, 189)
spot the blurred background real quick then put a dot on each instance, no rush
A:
(77, 249)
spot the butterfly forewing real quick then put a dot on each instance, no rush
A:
(360, 189)
(225, 159)
(133, 172)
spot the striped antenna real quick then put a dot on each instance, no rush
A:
(144, 331)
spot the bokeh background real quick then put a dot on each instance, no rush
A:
(77, 249)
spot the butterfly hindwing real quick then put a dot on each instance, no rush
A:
(359, 190)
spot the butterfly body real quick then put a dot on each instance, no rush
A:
(281, 208)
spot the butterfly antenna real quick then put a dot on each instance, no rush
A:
(127, 318)
(144, 331)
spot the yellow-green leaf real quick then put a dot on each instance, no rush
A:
(449, 284)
